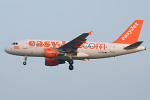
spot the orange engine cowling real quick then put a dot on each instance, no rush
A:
(53, 62)
(50, 53)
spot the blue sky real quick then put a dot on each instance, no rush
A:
(120, 78)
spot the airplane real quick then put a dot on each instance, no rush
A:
(60, 52)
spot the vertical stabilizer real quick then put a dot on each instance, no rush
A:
(131, 35)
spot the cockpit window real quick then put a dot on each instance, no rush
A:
(15, 43)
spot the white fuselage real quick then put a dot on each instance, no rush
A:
(89, 50)
(58, 52)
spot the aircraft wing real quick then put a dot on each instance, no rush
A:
(74, 44)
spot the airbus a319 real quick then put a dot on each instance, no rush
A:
(59, 52)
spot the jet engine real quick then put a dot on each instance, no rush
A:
(53, 62)
(50, 53)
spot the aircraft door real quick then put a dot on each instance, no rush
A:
(112, 48)
(25, 44)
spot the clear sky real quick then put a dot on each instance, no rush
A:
(121, 78)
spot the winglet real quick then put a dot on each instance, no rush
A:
(90, 32)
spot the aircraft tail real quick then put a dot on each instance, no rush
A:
(131, 35)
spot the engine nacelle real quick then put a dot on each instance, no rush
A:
(50, 53)
(53, 62)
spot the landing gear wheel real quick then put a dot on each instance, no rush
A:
(25, 59)
(24, 63)
(71, 67)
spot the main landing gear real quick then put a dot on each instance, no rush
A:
(71, 64)
(25, 59)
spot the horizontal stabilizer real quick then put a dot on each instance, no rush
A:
(135, 45)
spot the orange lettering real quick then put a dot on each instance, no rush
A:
(16, 47)
(58, 45)
(83, 45)
(92, 47)
(39, 44)
(46, 44)
(31, 43)
(63, 42)
(54, 44)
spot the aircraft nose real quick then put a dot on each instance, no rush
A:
(6, 50)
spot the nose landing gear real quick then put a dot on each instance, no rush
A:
(71, 64)
(25, 59)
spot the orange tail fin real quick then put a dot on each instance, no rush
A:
(131, 35)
